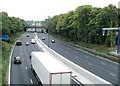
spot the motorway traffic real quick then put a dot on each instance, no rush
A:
(22, 73)
(101, 67)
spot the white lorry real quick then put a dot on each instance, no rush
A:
(49, 70)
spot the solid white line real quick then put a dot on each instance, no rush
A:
(90, 64)
(76, 81)
(26, 68)
(10, 63)
(76, 57)
(31, 81)
(66, 52)
(113, 74)
(103, 63)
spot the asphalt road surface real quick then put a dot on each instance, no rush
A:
(103, 68)
(21, 73)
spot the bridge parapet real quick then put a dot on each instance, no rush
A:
(34, 26)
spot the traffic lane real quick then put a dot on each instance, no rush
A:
(90, 64)
(27, 62)
(95, 70)
(73, 82)
(17, 70)
(19, 73)
(107, 64)
(92, 67)
(28, 49)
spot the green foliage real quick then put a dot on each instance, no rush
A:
(11, 25)
(85, 24)
(6, 48)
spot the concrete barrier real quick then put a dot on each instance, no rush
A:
(92, 77)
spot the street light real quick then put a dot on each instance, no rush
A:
(48, 31)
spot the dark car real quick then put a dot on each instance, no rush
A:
(27, 35)
(17, 60)
(53, 41)
(18, 42)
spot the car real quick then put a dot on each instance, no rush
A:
(45, 32)
(27, 43)
(43, 38)
(53, 41)
(32, 41)
(27, 35)
(18, 42)
(17, 60)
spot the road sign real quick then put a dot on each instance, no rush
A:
(103, 32)
(4, 37)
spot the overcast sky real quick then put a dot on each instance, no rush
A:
(41, 9)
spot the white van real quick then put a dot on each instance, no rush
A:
(32, 41)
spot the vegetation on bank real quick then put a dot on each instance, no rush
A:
(84, 25)
(13, 27)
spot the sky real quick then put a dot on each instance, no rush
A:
(41, 9)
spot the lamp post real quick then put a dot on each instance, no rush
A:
(48, 31)
(118, 51)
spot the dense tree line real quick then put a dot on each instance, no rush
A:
(11, 25)
(85, 24)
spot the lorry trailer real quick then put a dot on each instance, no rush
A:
(49, 70)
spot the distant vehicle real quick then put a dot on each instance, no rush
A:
(32, 41)
(27, 43)
(53, 41)
(18, 42)
(38, 31)
(27, 35)
(48, 70)
(43, 38)
(45, 32)
(42, 31)
(17, 60)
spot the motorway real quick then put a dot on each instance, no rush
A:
(22, 73)
(103, 68)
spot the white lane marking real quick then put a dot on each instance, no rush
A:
(76, 81)
(66, 52)
(23, 59)
(113, 74)
(76, 57)
(31, 81)
(90, 64)
(26, 68)
(102, 63)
